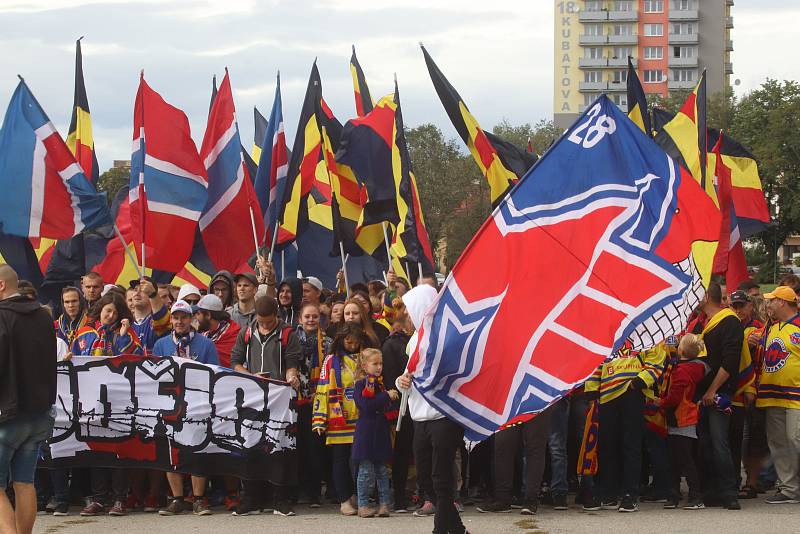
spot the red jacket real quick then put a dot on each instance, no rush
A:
(224, 338)
(678, 404)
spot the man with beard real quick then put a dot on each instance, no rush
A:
(290, 296)
(74, 317)
(216, 324)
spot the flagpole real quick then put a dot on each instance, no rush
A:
(419, 269)
(386, 241)
(127, 250)
(283, 266)
(344, 268)
(272, 243)
(255, 234)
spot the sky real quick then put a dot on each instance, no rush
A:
(499, 55)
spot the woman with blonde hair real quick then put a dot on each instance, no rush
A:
(354, 313)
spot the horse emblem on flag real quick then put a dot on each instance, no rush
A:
(605, 244)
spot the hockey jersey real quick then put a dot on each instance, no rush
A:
(613, 377)
(779, 384)
(335, 410)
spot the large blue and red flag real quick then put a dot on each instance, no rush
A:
(232, 208)
(605, 241)
(168, 187)
(45, 191)
(270, 180)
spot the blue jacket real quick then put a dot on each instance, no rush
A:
(371, 440)
(201, 349)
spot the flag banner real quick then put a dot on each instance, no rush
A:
(260, 125)
(605, 226)
(587, 456)
(172, 414)
(45, 191)
(364, 102)
(79, 139)
(637, 101)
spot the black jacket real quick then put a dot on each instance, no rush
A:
(27, 358)
(394, 358)
(724, 349)
(291, 314)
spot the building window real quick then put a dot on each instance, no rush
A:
(620, 99)
(588, 99)
(654, 30)
(593, 29)
(653, 6)
(620, 76)
(654, 52)
(593, 5)
(682, 28)
(593, 76)
(623, 29)
(681, 5)
(622, 52)
(593, 52)
(623, 5)
(683, 75)
(684, 51)
(653, 76)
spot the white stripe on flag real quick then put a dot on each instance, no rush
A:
(65, 174)
(223, 202)
(171, 168)
(37, 187)
(172, 209)
(45, 130)
(220, 145)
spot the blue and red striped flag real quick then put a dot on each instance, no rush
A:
(168, 188)
(270, 180)
(231, 199)
(45, 192)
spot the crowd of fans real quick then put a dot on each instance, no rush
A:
(719, 405)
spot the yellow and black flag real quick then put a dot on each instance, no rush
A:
(685, 137)
(637, 101)
(79, 138)
(501, 162)
(260, 123)
(364, 102)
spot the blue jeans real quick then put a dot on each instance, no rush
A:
(370, 473)
(557, 444)
(20, 440)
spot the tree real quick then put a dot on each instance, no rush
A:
(112, 180)
(542, 134)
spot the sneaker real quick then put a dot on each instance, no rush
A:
(733, 504)
(694, 504)
(529, 508)
(592, 505)
(494, 507)
(516, 502)
(51, 505)
(425, 510)
(151, 504)
(314, 503)
(61, 509)
(459, 507)
(231, 502)
(671, 504)
(654, 497)
(629, 504)
(383, 510)
(118, 509)
(366, 511)
(609, 505)
(246, 508)
(200, 507)
(560, 502)
(780, 498)
(346, 508)
(400, 508)
(285, 509)
(176, 506)
(93, 508)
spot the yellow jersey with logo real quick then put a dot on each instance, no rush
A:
(613, 377)
(779, 385)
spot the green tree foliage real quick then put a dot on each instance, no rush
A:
(542, 134)
(112, 180)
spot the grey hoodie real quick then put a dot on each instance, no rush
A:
(269, 356)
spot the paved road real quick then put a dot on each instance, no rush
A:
(754, 518)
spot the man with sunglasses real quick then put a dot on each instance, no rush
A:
(151, 315)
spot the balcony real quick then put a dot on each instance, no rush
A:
(675, 84)
(622, 16)
(592, 16)
(683, 14)
(683, 38)
(590, 62)
(728, 68)
(623, 39)
(620, 62)
(682, 61)
(614, 85)
(729, 3)
(729, 45)
(729, 22)
(592, 39)
(593, 86)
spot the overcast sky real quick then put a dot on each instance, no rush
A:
(498, 54)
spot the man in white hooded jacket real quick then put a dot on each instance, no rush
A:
(436, 438)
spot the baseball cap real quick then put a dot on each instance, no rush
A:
(314, 281)
(739, 297)
(783, 293)
(209, 302)
(136, 282)
(181, 306)
(251, 277)
(186, 290)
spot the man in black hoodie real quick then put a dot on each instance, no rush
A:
(290, 296)
(27, 395)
